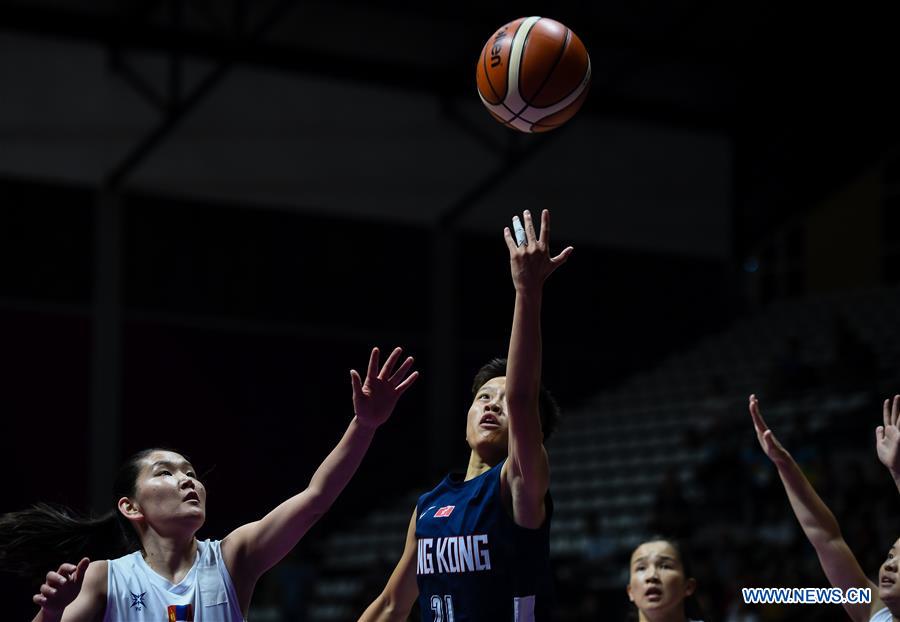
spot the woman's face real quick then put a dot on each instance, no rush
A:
(657, 583)
(487, 426)
(168, 493)
(888, 578)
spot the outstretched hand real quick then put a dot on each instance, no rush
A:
(531, 262)
(61, 587)
(374, 399)
(774, 450)
(887, 436)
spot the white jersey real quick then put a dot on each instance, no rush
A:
(882, 615)
(135, 593)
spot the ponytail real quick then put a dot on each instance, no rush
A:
(39, 539)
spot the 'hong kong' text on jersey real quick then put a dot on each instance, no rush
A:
(473, 563)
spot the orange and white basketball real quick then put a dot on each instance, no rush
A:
(533, 74)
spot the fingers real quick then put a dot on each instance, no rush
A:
(356, 383)
(47, 591)
(519, 231)
(373, 364)
(403, 386)
(39, 599)
(56, 579)
(891, 411)
(401, 371)
(81, 569)
(562, 257)
(879, 434)
(508, 238)
(530, 236)
(389, 363)
(65, 570)
(545, 227)
(758, 422)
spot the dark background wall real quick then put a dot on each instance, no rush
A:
(299, 182)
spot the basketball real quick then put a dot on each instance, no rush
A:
(533, 74)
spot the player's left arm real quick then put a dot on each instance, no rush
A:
(527, 471)
(251, 549)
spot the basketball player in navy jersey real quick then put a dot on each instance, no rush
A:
(477, 548)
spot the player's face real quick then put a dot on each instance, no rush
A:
(487, 426)
(169, 493)
(657, 584)
(889, 576)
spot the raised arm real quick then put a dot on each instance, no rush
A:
(73, 593)
(253, 548)
(396, 600)
(887, 439)
(527, 471)
(817, 521)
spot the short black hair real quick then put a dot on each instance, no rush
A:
(548, 409)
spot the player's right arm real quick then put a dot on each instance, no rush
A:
(818, 522)
(887, 439)
(401, 591)
(73, 593)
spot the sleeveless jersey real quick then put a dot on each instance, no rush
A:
(135, 593)
(474, 564)
(882, 615)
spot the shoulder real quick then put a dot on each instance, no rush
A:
(447, 483)
(95, 578)
(882, 615)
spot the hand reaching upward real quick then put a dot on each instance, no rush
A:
(531, 263)
(773, 448)
(887, 436)
(374, 399)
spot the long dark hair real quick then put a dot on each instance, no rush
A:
(39, 539)
(692, 609)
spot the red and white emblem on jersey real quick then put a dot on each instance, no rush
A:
(444, 512)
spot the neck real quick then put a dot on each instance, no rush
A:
(677, 615)
(169, 556)
(478, 465)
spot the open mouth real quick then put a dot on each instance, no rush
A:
(653, 593)
(192, 496)
(489, 421)
(887, 581)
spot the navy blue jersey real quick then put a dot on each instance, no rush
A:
(474, 564)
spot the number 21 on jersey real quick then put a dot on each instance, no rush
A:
(442, 608)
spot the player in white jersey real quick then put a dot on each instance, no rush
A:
(660, 583)
(821, 527)
(171, 575)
